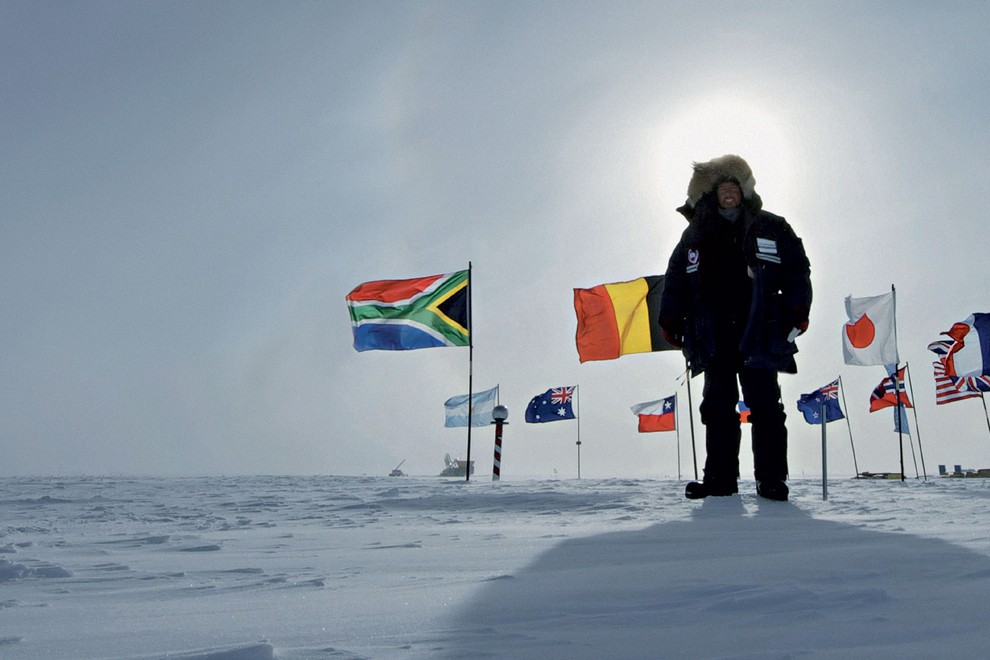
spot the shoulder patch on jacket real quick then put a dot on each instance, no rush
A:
(693, 259)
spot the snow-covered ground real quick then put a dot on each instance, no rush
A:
(416, 567)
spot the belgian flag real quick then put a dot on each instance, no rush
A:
(619, 319)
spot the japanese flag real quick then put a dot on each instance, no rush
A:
(868, 337)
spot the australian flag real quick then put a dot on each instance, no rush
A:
(554, 404)
(811, 404)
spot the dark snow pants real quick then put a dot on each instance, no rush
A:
(761, 393)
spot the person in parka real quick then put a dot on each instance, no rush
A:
(737, 292)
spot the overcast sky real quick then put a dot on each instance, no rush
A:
(190, 189)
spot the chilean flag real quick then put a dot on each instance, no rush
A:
(969, 354)
(658, 415)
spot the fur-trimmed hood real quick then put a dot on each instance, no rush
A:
(724, 168)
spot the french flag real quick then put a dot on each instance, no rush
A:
(969, 354)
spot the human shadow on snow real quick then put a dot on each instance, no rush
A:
(767, 581)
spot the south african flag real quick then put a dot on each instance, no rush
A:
(401, 315)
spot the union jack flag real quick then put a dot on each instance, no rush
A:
(950, 388)
(554, 404)
(831, 391)
(828, 397)
(561, 394)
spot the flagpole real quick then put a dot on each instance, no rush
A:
(917, 429)
(467, 466)
(824, 454)
(985, 413)
(677, 428)
(694, 451)
(849, 425)
(897, 398)
(902, 415)
(577, 415)
(914, 457)
(897, 391)
(893, 297)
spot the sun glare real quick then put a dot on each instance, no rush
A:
(707, 128)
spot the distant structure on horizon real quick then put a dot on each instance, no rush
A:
(958, 472)
(455, 467)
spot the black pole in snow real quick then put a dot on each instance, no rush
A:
(467, 467)
(897, 391)
(694, 451)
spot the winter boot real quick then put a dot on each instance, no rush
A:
(697, 490)
(772, 489)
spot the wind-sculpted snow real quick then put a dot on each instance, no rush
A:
(360, 567)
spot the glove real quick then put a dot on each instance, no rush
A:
(799, 322)
(799, 319)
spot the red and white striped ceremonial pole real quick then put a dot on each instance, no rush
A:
(499, 415)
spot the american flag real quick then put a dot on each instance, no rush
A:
(948, 388)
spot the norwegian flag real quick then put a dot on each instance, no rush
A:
(884, 395)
